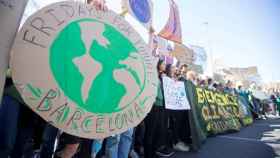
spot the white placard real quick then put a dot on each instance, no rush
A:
(175, 94)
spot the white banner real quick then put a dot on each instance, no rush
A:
(175, 94)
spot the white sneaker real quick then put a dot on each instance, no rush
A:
(180, 146)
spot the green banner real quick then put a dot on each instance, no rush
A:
(214, 112)
(220, 112)
(245, 115)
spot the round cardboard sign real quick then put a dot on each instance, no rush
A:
(87, 72)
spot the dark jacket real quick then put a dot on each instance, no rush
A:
(160, 96)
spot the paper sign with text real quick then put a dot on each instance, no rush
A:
(175, 94)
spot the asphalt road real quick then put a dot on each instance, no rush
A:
(259, 140)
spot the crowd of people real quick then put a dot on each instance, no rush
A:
(163, 131)
(260, 107)
(24, 134)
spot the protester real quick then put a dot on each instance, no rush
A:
(48, 141)
(68, 146)
(273, 104)
(191, 76)
(210, 84)
(155, 139)
(240, 90)
(203, 84)
(138, 144)
(215, 86)
(178, 118)
(278, 104)
(118, 146)
(220, 87)
(21, 131)
(183, 120)
(229, 88)
(171, 71)
(9, 113)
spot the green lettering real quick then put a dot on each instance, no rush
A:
(100, 124)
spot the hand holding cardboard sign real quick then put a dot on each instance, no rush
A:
(99, 4)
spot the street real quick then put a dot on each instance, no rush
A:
(260, 140)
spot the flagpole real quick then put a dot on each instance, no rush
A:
(123, 13)
(210, 66)
(11, 12)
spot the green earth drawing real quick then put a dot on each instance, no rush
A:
(85, 59)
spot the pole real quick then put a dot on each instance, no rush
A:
(11, 12)
(210, 63)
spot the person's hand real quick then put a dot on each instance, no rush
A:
(151, 30)
(69, 151)
(98, 4)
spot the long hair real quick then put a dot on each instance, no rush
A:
(168, 70)
(8, 82)
(160, 61)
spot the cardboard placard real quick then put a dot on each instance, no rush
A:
(87, 72)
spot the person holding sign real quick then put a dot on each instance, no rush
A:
(155, 139)
(177, 104)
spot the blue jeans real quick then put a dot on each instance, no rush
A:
(119, 146)
(9, 111)
(96, 147)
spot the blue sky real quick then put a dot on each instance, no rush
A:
(241, 32)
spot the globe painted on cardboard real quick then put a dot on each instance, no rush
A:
(87, 60)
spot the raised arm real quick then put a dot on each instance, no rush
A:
(99, 4)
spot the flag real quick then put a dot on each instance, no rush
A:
(142, 10)
(172, 30)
